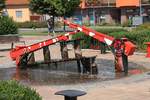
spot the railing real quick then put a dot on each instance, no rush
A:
(109, 4)
(101, 5)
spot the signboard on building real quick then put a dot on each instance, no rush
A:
(138, 20)
(127, 3)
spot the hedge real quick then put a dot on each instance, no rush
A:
(7, 26)
(32, 24)
(138, 37)
(36, 24)
(89, 41)
(110, 30)
(12, 90)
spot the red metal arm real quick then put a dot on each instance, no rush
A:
(16, 53)
(129, 47)
(92, 33)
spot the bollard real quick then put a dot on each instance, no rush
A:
(70, 94)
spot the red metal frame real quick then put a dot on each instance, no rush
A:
(19, 51)
(127, 46)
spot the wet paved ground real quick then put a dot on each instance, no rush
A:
(121, 89)
(48, 75)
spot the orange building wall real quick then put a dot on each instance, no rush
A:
(25, 13)
(82, 5)
(127, 3)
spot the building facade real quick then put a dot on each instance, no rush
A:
(90, 11)
(111, 11)
(19, 11)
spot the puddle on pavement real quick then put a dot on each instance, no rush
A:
(64, 75)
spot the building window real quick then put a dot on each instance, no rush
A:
(19, 14)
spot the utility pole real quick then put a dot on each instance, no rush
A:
(94, 15)
(140, 8)
(94, 19)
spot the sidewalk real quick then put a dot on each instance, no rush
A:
(131, 88)
(135, 87)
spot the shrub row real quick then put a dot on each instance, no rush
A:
(32, 24)
(12, 90)
(138, 37)
(89, 41)
(143, 26)
(110, 30)
(36, 24)
(7, 26)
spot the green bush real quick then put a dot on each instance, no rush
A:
(106, 24)
(120, 34)
(12, 90)
(138, 37)
(36, 24)
(7, 26)
(88, 41)
(32, 24)
(144, 26)
(109, 30)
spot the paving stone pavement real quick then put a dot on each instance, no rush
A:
(135, 87)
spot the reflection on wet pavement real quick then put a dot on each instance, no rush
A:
(64, 74)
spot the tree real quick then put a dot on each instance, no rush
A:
(54, 8)
(67, 7)
(2, 5)
(7, 26)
